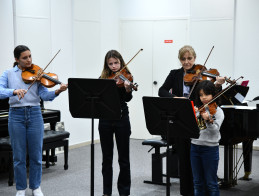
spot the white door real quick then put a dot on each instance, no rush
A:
(169, 37)
(152, 64)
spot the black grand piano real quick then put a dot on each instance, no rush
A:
(49, 116)
(241, 124)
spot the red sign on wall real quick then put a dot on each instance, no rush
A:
(168, 41)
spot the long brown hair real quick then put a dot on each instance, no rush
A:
(111, 54)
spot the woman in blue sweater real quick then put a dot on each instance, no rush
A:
(25, 122)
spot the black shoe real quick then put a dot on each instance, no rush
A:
(245, 178)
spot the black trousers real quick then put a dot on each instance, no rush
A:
(183, 147)
(122, 130)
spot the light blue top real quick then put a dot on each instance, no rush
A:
(11, 80)
(186, 89)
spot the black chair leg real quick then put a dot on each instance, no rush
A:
(11, 171)
(53, 154)
(66, 155)
(47, 158)
(157, 167)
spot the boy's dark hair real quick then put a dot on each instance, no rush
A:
(208, 88)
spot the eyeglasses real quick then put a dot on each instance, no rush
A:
(188, 58)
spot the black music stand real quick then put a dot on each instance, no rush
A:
(173, 117)
(234, 95)
(93, 98)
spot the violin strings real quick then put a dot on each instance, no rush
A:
(124, 78)
(51, 79)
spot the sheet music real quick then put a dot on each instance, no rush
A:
(239, 97)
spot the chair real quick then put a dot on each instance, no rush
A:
(54, 139)
(157, 161)
(51, 140)
(5, 146)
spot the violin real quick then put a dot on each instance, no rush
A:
(210, 108)
(194, 80)
(34, 72)
(123, 76)
(196, 74)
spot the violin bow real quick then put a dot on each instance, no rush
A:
(196, 81)
(128, 62)
(233, 83)
(36, 78)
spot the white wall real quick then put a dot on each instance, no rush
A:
(247, 44)
(61, 32)
(85, 30)
(154, 9)
(212, 24)
(109, 27)
(33, 28)
(6, 35)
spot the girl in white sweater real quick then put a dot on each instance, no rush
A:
(205, 149)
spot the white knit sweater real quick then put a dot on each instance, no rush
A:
(211, 135)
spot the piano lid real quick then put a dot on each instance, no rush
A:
(235, 95)
(239, 107)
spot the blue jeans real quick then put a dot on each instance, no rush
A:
(204, 161)
(26, 127)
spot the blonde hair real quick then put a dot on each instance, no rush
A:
(184, 49)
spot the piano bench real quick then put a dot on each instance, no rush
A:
(157, 160)
(54, 139)
(51, 140)
(5, 146)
